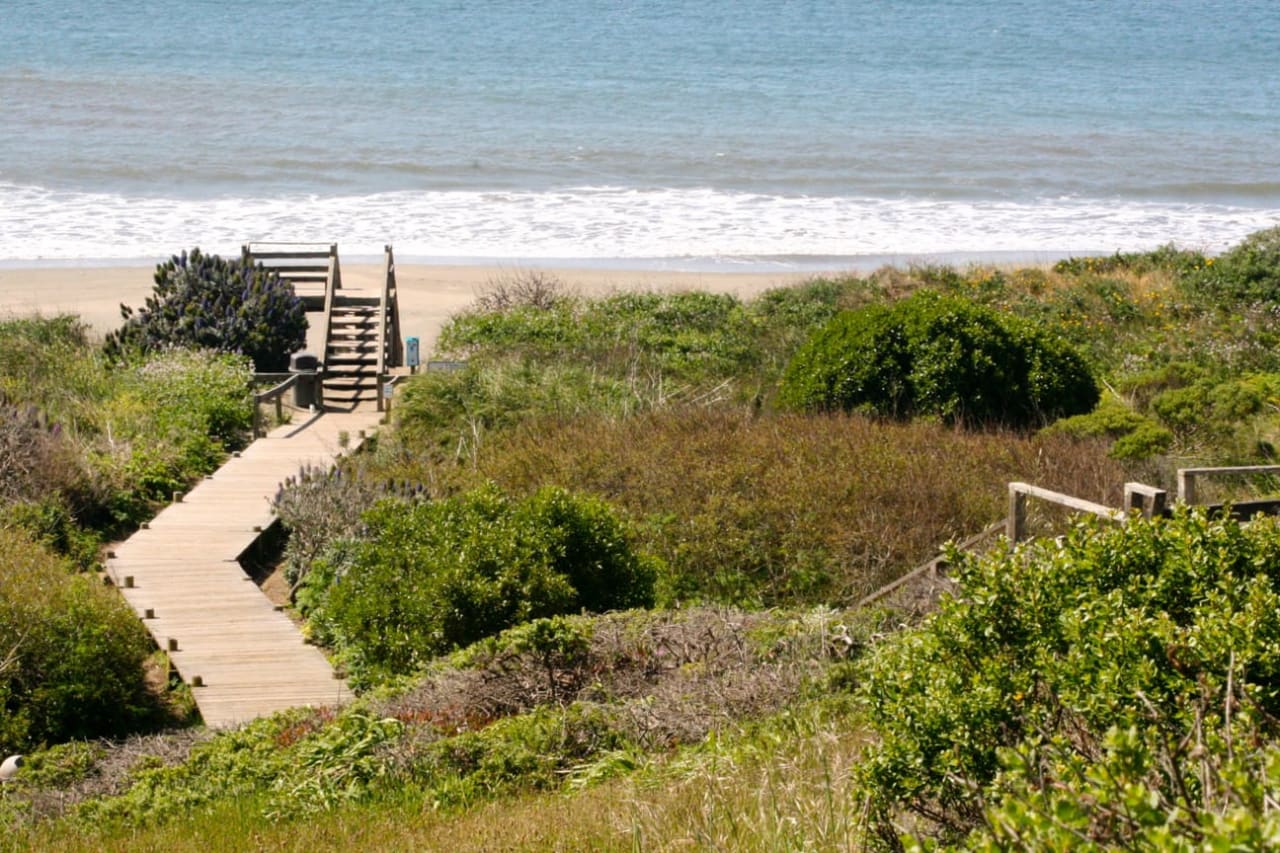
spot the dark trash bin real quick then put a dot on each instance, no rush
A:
(306, 365)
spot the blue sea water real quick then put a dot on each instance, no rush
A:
(664, 132)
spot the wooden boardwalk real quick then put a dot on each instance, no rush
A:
(182, 577)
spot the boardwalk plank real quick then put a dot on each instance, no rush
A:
(251, 657)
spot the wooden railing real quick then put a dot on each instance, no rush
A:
(307, 266)
(1139, 499)
(390, 347)
(332, 282)
(274, 393)
(934, 566)
(1187, 478)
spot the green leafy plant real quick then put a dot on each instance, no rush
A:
(207, 302)
(71, 653)
(943, 357)
(1134, 436)
(425, 578)
(1248, 272)
(1051, 654)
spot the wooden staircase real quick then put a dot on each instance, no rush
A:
(351, 352)
(309, 267)
(361, 328)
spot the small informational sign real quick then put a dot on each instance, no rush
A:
(411, 357)
(388, 390)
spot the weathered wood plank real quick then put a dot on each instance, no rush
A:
(182, 570)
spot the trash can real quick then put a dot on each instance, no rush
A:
(305, 364)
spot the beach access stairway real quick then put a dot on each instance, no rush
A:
(242, 655)
(361, 329)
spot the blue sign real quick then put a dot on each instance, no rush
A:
(411, 352)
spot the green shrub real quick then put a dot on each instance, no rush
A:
(1168, 258)
(49, 522)
(943, 357)
(1060, 662)
(172, 418)
(205, 302)
(1134, 436)
(691, 337)
(1248, 272)
(426, 578)
(71, 653)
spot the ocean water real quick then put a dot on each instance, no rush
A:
(758, 133)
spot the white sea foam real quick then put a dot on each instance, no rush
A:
(37, 224)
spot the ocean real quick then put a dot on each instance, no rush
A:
(758, 134)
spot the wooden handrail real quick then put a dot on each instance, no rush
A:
(1016, 524)
(387, 273)
(330, 287)
(932, 566)
(275, 392)
(1187, 477)
(389, 346)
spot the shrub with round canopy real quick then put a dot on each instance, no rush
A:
(942, 357)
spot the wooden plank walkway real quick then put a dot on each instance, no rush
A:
(182, 576)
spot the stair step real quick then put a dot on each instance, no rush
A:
(343, 379)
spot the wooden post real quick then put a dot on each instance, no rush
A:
(1150, 500)
(1016, 524)
(279, 409)
(257, 419)
(1186, 486)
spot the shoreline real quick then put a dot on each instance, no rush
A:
(732, 264)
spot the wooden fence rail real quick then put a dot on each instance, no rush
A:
(1187, 478)
(274, 393)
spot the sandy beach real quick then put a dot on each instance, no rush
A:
(429, 294)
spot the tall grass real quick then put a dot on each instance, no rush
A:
(775, 509)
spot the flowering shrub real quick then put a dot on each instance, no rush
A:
(1248, 272)
(202, 301)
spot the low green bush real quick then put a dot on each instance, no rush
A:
(71, 653)
(1247, 272)
(1094, 684)
(943, 357)
(425, 578)
(172, 418)
(1167, 258)
(206, 302)
(1134, 436)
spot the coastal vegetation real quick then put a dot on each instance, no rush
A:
(207, 302)
(598, 587)
(942, 357)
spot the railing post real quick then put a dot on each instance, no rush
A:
(1186, 486)
(1016, 524)
(1151, 501)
